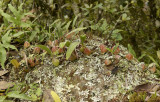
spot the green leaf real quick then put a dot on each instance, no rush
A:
(23, 24)
(1, 28)
(74, 22)
(16, 94)
(14, 11)
(115, 47)
(55, 96)
(153, 60)
(7, 16)
(86, 13)
(62, 44)
(2, 56)
(158, 54)
(130, 49)
(45, 48)
(117, 31)
(110, 50)
(28, 13)
(63, 23)
(34, 97)
(86, 5)
(95, 26)
(141, 56)
(100, 5)
(71, 49)
(77, 30)
(6, 23)
(117, 37)
(18, 16)
(7, 45)
(17, 34)
(33, 34)
(20, 7)
(53, 24)
(104, 25)
(67, 25)
(81, 22)
(6, 38)
(124, 17)
(83, 38)
(8, 101)
(38, 91)
(2, 98)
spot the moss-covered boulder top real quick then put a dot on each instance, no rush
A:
(90, 78)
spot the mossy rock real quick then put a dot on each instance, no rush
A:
(88, 78)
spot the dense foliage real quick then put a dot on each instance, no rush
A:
(134, 22)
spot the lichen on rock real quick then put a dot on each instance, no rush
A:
(88, 79)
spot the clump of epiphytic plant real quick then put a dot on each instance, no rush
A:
(7, 33)
(23, 91)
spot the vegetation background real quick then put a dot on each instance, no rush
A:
(132, 23)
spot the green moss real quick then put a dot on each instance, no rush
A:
(154, 98)
(141, 96)
(138, 97)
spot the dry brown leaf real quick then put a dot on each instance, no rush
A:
(25, 57)
(144, 87)
(110, 68)
(12, 53)
(47, 96)
(147, 98)
(5, 85)
(15, 63)
(156, 88)
(3, 72)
